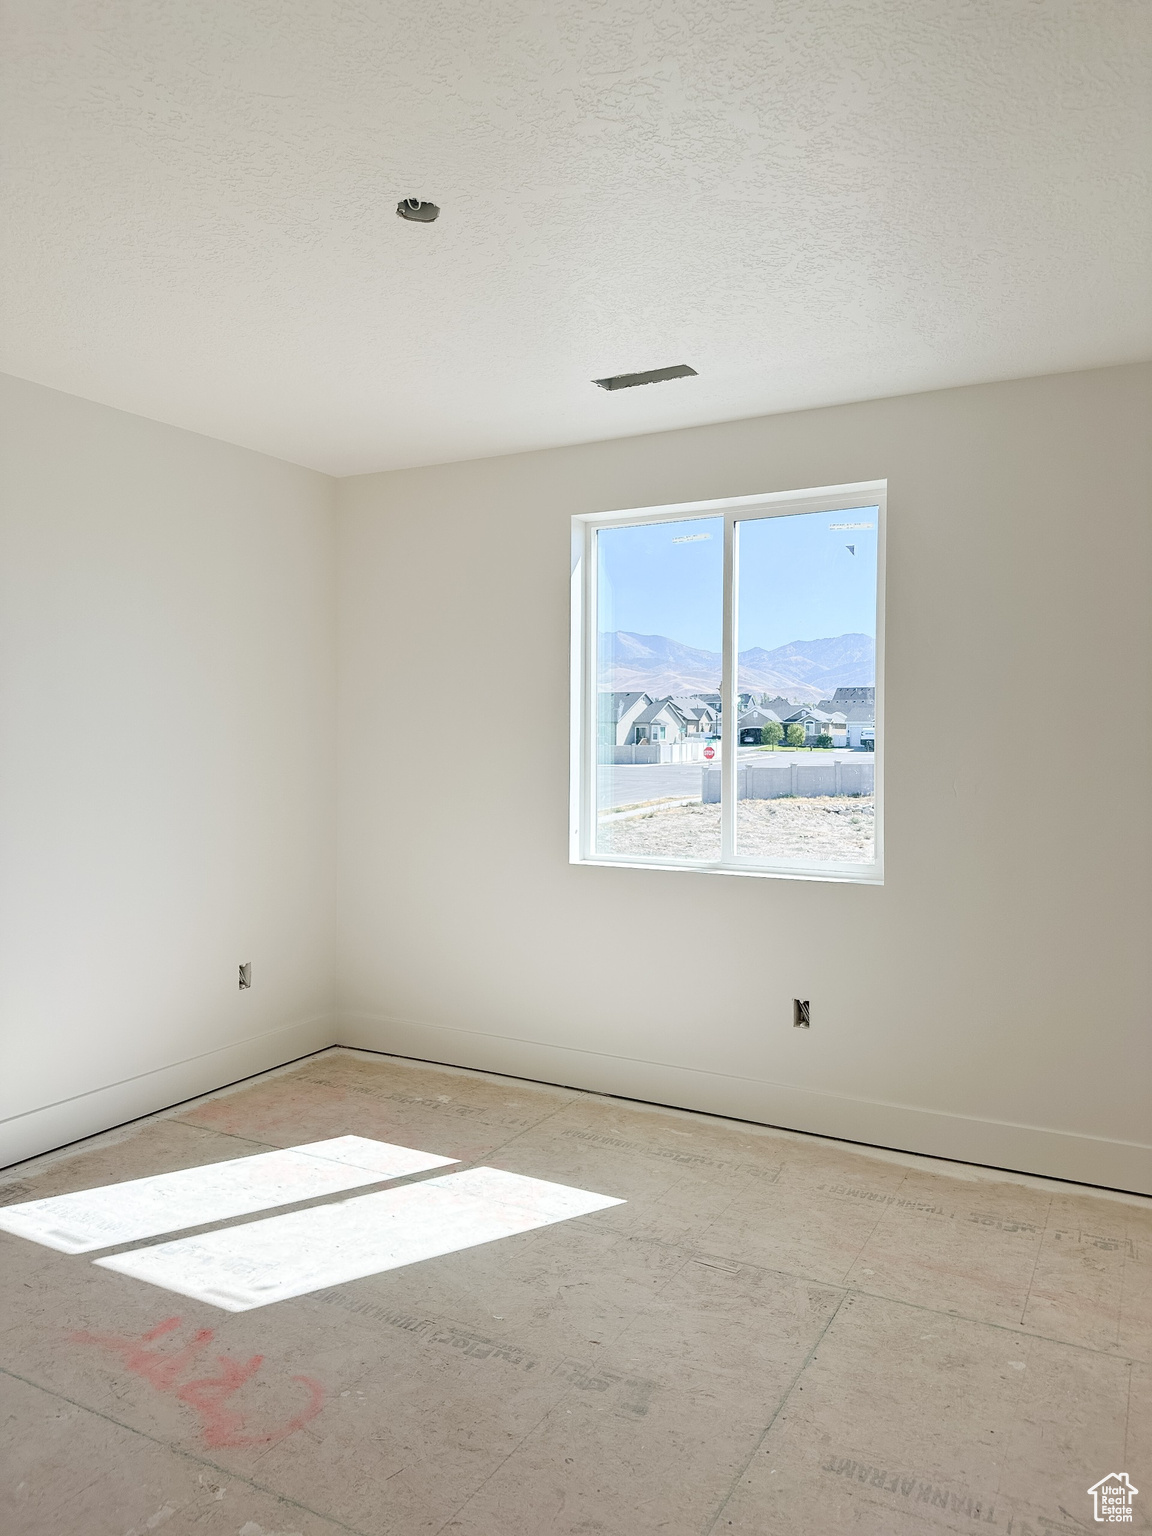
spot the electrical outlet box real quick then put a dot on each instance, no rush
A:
(801, 1017)
(245, 975)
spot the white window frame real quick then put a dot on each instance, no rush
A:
(584, 660)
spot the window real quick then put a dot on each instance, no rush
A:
(761, 618)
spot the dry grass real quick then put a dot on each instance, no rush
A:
(824, 828)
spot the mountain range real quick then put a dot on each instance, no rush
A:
(802, 670)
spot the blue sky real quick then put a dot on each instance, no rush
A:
(798, 580)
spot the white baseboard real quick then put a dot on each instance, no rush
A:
(1031, 1149)
(55, 1125)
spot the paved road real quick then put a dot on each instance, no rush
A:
(627, 783)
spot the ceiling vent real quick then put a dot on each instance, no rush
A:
(420, 213)
(653, 376)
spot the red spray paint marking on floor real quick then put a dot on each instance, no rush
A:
(208, 1395)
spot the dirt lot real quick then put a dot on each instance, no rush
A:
(837, 828)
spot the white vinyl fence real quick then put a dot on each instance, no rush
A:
(658, 752)
(792, 776)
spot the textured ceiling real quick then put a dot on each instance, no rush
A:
(807, 200)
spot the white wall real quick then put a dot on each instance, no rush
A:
(167, 614)
(167, 629)
(991, 1000)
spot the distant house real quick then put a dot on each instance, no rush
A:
(848, 717)
(858, 706)
(661, 721)
(744, 701)
(861, 719)
(703, 719)
(820, 722)
(618, 713)
(752, 722)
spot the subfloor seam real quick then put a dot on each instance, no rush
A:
(752, 1454)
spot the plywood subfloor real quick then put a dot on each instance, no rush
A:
(774, 1334)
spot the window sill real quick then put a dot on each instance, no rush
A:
(844, 875)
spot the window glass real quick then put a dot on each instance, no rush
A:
(726, 712)
(806, 653)
(659, 625)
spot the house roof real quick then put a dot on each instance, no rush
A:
(822, 717)
(856, 713)
(614, 706)
(655, 710)
(692, 705)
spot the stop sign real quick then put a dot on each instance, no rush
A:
(709, 753)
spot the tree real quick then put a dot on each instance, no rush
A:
(823, 740)
(771, 735)
(794, 736)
